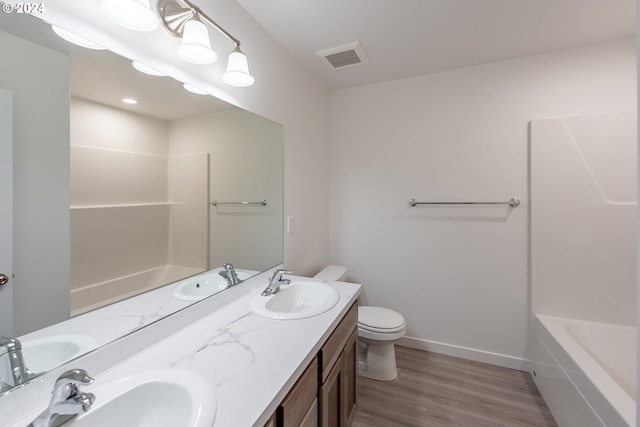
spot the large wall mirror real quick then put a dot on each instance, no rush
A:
(117, 205)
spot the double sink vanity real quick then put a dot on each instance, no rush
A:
(235, 359)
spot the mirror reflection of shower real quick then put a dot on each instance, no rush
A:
(140, 192)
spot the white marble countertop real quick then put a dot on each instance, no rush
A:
(113, 321)
(251, 361)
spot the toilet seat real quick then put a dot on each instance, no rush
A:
(380, 320)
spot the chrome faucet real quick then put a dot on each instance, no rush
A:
(275, 282)
(230, 274)
(66, 399)
(13, 370)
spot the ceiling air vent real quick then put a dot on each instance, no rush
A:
(343, 56)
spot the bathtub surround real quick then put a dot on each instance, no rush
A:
(583, 266)
(583, 217)
(139, 219)
(458, 275)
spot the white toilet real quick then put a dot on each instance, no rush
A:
(378, 329)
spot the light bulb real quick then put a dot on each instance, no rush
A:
(196, 47)
(132, 14)
(76, 39)
(194, 89)
(237, 73)
(146, 69)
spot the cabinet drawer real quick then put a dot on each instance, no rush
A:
(330, 351)
(302, 396)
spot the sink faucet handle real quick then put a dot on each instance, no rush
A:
(74, 376)
(277, 275)
(9, 344)
(85, 399)
(67, 384)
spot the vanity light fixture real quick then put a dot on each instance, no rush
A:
(132, 14)
(146, 69)
(75, 39)
(237, 73)
(193, 89)
(195, 46)
(184, 19)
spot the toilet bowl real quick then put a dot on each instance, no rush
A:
(378, 329)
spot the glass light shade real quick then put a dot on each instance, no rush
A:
(196, 47)
(132, 14)
(146, 69)
(193, 89)
(237, 73)
(76, 39)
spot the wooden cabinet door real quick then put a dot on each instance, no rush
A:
(331, 397)
(295, 406)
(349, 380)
(272, 422)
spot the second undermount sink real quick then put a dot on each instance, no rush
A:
(159, 398)
(204, 285)
(298, 300)
(42, 354)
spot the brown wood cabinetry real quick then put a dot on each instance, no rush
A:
(325, 394)
(295, 407)
(338, 392)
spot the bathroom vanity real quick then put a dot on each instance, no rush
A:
(264, 372)
(325, 394)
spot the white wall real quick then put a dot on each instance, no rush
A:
(246, 164)
(40, 181)
(458, 274)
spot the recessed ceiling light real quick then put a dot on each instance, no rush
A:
(129, 101)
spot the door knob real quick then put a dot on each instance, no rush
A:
(4, 279)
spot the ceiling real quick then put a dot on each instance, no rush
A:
(405, 38)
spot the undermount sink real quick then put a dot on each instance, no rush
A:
(42, 354)
(202, 286)
(160, 398)
(298, 300)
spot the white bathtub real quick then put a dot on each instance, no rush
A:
(586, 371)
(100, 294)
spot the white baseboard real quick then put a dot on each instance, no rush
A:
(467, 353)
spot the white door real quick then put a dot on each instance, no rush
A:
(6, 214)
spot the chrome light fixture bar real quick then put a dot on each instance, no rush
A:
(184, 19)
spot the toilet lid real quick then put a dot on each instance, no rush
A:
(380, 318)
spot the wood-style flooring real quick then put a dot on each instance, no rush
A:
(434, 390)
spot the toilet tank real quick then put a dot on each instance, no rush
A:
(334, 273)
